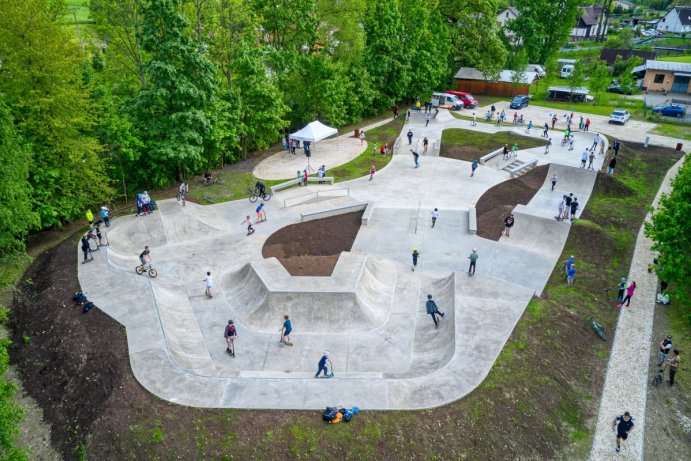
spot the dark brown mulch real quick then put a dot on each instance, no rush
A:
(321, 242)
(496, 204)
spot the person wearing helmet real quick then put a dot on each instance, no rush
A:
(230, 334)
(433, 310)
(473, 259)
(324, 364)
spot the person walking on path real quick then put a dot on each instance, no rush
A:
(612, 165)
(529, 127)
(362, 137)
(372, 170)
(514, 150)
(545, 132)
(549, 143)
(324, 365)
(407, 116)
(425, 145)
(616, 147)
(621, 289)
(433, 310)
(474, 122)
(209, 283)
(435, 215)
(505, 152)
(584, 158)
(570, 274)
(673, 367)
(596, 141)
(428, 117)
(629, 293)
(574, 208)
(473, 259)
(416, 158)
(554, 120)
(410, 136)
(554, 181)
(508, 224)
(473, 167)
(415, 256)
(230, 334)
(623, 425)
(591, 157)
(665, 347)
(285, 330)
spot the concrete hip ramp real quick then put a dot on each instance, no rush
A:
(262, 292)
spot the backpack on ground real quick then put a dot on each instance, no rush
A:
(88, 306)
(329, 414)
(79, 297)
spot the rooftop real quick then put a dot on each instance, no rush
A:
(471, 73)
(668, 65)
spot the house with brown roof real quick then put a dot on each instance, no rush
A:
(677, 20)
(586, 27)
(609, 55)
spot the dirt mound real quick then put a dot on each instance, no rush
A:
(312, 248)
(497, 202)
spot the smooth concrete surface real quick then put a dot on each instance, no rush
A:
(370, 314)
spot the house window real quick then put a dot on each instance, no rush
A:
(659, 78)
(507, 15)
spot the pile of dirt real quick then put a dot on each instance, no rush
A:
(313, 247)
(496, 204)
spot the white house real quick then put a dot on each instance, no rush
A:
(586, 27)
(506, 15)
(677, 20)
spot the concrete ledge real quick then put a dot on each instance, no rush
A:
(318, 214)
(520, 168)
(472, 220)
(487, 157)
(293, 182)
(369, 209)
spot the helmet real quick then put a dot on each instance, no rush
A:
(230, 321)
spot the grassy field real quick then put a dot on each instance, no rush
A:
(676, 58)
(469, 145)
(80, 8)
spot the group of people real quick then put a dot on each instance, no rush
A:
(568, 205)
(94, 233)
(145, 205)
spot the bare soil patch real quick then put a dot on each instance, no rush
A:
(496, 204)
(313, 247)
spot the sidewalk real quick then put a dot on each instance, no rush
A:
(626, 382)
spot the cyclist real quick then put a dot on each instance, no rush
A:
(260, 187)
(145, 256)
(184, 189)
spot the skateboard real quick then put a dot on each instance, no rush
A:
(231, 353)
(330, 375)
(87, 261)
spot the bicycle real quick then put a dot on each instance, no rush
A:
(597, 328)
(181, 198)
(140, 269)
(254, 195)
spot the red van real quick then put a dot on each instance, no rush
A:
(469, 102)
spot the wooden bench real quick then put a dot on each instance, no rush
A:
(293, 182)
(472, 220)
(523, 168)
(487, 157)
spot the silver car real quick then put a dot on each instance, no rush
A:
(619, 116)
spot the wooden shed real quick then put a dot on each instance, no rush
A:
(471, 80)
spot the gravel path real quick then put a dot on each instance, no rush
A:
(626, 382)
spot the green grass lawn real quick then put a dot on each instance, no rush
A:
(81, 10)
(469, 145)
(683, 58)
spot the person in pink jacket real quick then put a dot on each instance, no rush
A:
(629, 293)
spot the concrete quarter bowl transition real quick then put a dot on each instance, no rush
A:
(370, 314)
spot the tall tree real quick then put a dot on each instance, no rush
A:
(16, 215)
(42, 84)
(172, 108)
(542, 26)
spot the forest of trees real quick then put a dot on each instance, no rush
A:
(163, 89)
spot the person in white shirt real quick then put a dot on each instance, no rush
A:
(435, 215)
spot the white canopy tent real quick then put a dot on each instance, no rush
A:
(313, 132)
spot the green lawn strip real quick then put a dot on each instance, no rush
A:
(683, 58)
(674, 130)
(468, 144)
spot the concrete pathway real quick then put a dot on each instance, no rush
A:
(370, 314)
(626, 382)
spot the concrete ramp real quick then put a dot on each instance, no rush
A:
(130, 234)
(123, 262)
(578, 181)
(189, 223)
(433, 347)
(261, 293)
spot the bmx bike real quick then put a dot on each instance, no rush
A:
(254, 194)
(140, 269)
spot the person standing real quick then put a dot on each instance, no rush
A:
(514, 150)
(410, 136)
(621, 289)
(416, 158)
(561, 207)
(623, 424)
(473, 259)
(230, 333)
(673, 366)
(105, 215)
(602, 147)
(425, 145)
(395, 111)
(665, 347)
(473, 167)
(493, 110)
(428, 117)
(612, 165)
(362, 137)
(549, 143)
(407, 116)
(574, 208)
(596, 141)
(584, 158)
(617, 146)
(587, 124)
(591, 157)
(285, 330)
(629, 293)
(433, 310)
(570, 274)
(554, 120)
(435, 215)
(508, 224)
(474, 122)
(554, 181)
(323, 365)
(89, 216)
(184, 189)
(567, 208)
(86, 249)
(372, 170)
(415, 256)
(529, 127)
(209, 283)
(545, 132)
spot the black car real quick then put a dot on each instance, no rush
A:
(519, 102)
(616, 88)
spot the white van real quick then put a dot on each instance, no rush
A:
(567, 70)
(446, 99)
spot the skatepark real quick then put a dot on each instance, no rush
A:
(369, 314)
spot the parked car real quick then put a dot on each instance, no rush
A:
(566, 70)
(520, 102)
(447, 99)
(673, 110)
(619, 116)
(615, 87)
(469, 102)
